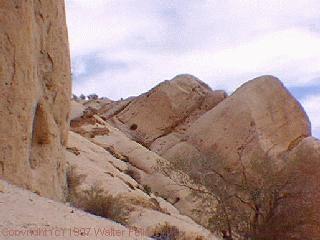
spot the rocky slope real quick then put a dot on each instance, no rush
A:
(126, 173)
(255, 146)
(34, 154)
(34, 94)
(184, 121)
(170, 106)
(28, 216)
(261, 115)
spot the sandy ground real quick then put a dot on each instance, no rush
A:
(27, 216)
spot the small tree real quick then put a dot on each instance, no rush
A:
(257, 199)
(75, 97)
(82, 97)
(93, 96)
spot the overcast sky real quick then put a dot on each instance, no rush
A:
(122, 48)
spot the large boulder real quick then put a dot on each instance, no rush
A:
(304, 161)
(77, 109)
(165, 107)
(97, 103)
(307, 149)
(261, 117)
(34, 94)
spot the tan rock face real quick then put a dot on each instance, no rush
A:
(261, 120)
(132, 159)
(97, 103)
(305, 159)
(76, 110)
(159, 111)
(260, 117)
(307, 152)
(35, 90)
(125, 178)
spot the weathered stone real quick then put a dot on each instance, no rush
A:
(307, 150)
(105, 167)
(165, 107)
(260, 117)
(76, 110)
(34, 93)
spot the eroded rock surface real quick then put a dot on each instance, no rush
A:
(258, 118)
(126, 173)
(164, 108)
(34, 94)
(259, 123)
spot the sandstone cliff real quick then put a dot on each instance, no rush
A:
(168, 107)
(34, 94)
(258, 118)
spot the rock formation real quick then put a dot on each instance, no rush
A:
(123, 169)
(77, 110)
(307, 149)
(258, 118)
(34, 94)
(185, 122)
(164, 108)
(114, 164)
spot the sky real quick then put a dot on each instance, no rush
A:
(122, 48)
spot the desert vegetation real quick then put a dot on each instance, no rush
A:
(244, 183)
(100, 203)
(166, 232)
(95, 200)
(256, 199)
(100, 156)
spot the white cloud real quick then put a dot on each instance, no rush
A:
(224, 43)
(103, 25)
(78, 68)
(276, 53)
(312, 106)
